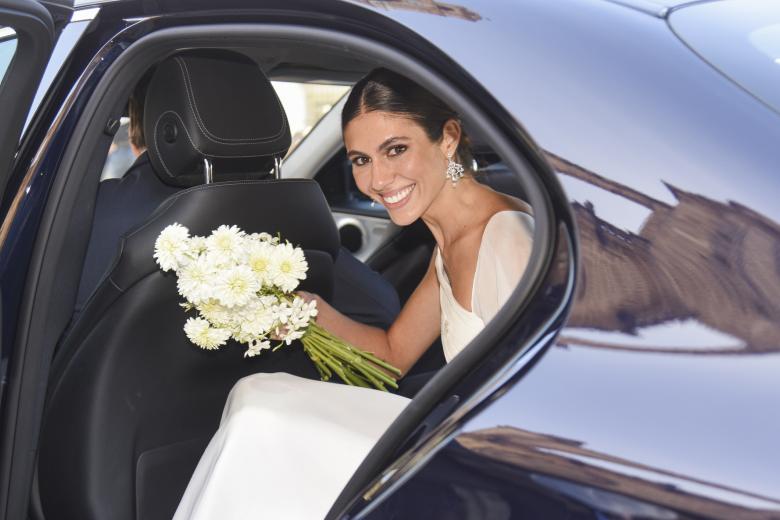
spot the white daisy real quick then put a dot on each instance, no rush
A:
(283, 312)
(201, 333)
(264, 237)
(289, 267)
(170, 248)
(256, 347)
(302, 312)
(217, 314)
(253, 321)
(235, 286)
(259, 259)
(196, 280)
(226, 244)
(292, 335)
(198, 245)
(293, 318)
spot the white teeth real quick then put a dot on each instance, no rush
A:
(398, 197)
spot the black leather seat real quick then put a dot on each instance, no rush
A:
(131, 403)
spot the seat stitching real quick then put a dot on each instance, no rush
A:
(111, 280)
(202, 125)
(189, 138)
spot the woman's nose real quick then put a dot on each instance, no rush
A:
(381, 178)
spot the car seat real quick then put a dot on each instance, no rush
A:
(131, 403)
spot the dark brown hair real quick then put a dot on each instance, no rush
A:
(387, 91)
(135, 110)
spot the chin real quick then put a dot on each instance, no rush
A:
(403, 219)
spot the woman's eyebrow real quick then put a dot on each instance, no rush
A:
(387, 142)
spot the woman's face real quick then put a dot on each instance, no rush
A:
(395, 163)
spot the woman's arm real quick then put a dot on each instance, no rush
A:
(413, 331)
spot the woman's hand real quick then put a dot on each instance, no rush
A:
(308, 297)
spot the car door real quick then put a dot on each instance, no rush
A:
(26, 39)
(27, 36)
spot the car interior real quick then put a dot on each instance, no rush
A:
(130, 404)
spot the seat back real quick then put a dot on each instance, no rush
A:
(131, 404)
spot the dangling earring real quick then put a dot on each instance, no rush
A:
(454, 170)
(373, 203)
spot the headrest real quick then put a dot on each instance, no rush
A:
(216, 104)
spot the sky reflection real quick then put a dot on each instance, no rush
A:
(706, 417)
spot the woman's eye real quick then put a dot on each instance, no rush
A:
(359, 161)
(396, 150)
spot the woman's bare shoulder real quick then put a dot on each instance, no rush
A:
(509, 203)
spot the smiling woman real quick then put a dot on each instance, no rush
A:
(409, 152)
(406, 148)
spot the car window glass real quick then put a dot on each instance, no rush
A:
(305, 104)
(7, 48)
(120, 155)
(65, 43)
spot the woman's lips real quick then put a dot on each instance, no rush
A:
(397, 197)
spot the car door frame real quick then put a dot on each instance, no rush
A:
(35, 32)
(36, 35)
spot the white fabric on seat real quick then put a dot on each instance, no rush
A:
(503, 256)
(285, 448)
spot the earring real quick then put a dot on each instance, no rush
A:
(454, 170)
(373, 203)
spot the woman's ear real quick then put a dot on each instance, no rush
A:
(450, 137)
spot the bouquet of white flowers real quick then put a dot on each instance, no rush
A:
(241, 285)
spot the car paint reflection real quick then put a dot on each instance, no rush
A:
(689, 420)
(426, 7)
(699, 259)
(688, 336)
(569, 462)
(673, 328)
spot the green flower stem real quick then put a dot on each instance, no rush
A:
(345, 376)
(347, 361)
(315, 328)
(372, 375)
(331, 355)
(349, 375)
(366, 374)
(325, 373)
(374, 381)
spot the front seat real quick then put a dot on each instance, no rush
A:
(131, 403)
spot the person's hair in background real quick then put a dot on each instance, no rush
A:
(135, 111)
(387, 91)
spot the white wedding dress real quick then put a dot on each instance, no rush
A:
(287, 446)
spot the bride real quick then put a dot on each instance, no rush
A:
(287, 446)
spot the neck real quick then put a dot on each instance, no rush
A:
(455, 211)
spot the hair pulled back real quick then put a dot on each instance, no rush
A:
(387, 91)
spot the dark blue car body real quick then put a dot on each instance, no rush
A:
(638, 376)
